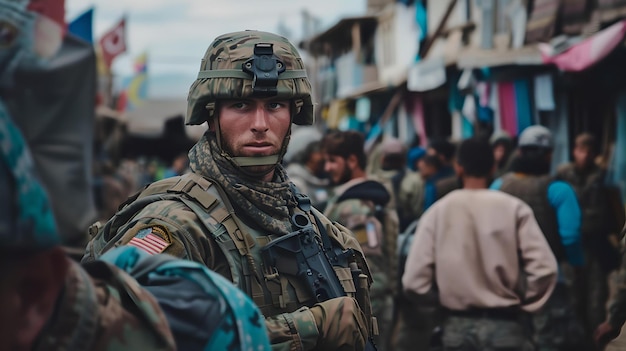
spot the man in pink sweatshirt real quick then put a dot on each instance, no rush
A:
(482, 256)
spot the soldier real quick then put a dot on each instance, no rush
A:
(599, 225)
(405, 186)
(554, 203)
(237, 212)
(309, 175)
(365, 207)
(481, 255)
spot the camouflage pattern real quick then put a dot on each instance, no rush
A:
(107, 312)
(230, 52)
(409, 198)
(467, 333)
(557, 327)
(260, 210)
(359, 216)
(240, 323)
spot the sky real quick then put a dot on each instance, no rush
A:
(176, 33)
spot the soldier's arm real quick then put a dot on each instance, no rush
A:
(539, 264)
(166, 227)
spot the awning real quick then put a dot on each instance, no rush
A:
(339, 36)
(588, 52)
(476, 58)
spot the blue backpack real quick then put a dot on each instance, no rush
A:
(205, 311)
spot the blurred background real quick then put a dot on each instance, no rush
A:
(414, 70)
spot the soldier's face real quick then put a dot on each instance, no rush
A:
(337, 168)
(254, 127)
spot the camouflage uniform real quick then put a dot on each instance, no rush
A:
(377, 234)
(223, 217)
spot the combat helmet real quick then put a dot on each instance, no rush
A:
(250, 64)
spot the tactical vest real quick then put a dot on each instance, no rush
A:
(241, 244)
(592, 197)
(533, 190)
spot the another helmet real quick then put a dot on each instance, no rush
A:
(250, 64)
(536, 136)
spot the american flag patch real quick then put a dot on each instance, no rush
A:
(149, 242)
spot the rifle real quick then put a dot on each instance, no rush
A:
(302, 254)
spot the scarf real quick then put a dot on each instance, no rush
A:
(266, 204)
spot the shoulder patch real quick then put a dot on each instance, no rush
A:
(153, 239)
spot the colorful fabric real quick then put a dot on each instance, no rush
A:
(239, 324)
(35, 227)
(523, 104)
(587, 53)
(508, 108)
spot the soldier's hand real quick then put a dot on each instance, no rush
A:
(341, 324)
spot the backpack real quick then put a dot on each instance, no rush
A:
(204, 310)
(387, 218)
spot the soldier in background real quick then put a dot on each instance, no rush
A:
(405, 186)
(306, 171)
(366, 207)
(598, 226)
(237, 206)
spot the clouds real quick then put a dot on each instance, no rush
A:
(176, 33)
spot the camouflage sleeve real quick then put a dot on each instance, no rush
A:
(411, 196)
(292, 331)
(170, 227)
(617, 305)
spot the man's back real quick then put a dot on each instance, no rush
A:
(476, 237)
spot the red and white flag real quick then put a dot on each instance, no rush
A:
(113, 42)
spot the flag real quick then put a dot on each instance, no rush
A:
(141, 62)
(82, 26)
(50, 26)
(136, 89)
(113, 42)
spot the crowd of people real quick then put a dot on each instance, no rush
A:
(245, 244)
(537, 254)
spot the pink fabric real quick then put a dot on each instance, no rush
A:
(418, 120)
(508, 107)
(588, 52)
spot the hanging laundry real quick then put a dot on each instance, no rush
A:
(508, 108)
(523, 104)
(544, 93)
(494, 104)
